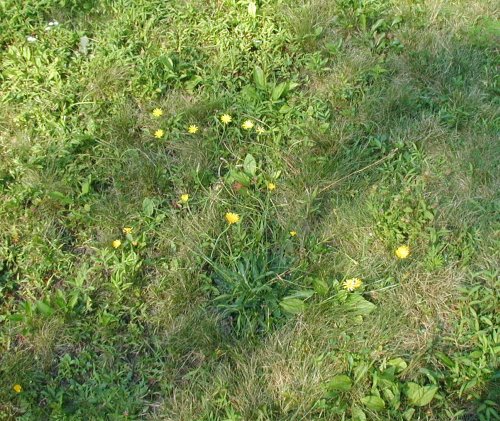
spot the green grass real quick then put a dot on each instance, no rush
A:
(378, 123)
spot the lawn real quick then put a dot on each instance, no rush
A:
(222, 210)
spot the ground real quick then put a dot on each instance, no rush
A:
(249, 210)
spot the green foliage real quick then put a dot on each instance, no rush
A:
(251, 289)
(374, 121)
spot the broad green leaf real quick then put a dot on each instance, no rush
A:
(250, 165)
(357, 414)
(320, 286)
(373, 402)
(292, 305)
(193, 83)
(392, 396)
(420, 395)
(43, 308)
(65, 200)
(85, 187)
(399, 363)
(360, 371)
(240, 177)
(408, 414)
(73, 300)
(358, 305)
(18, 317)
(377, 24)
(285, 109)
(278, 91)
(447, 361)
(259, 77)
(148, 207)
(301, 293)
(341, 383)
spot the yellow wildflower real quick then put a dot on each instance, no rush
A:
(352, 284)
(402, 252)
(157, 112)
(159, 133)
(184, 198)
(17, 388)
(192, 129)
(293, 233)
(260, 130)
(127, 230)
(247, 125)
(116, 243)
(226, 118)
(271, 186)
(232, 218)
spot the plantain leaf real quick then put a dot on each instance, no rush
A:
(341, 383)
(420, 395)
(43, 308)
(259, 77)
(357, 414)
(373, 402)
(250, 165)
(292, 305)
(148, 206)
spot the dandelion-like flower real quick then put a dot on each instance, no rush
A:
(17, 388)
(159, 133)
(127, 230)
(271, 186)
(192, 129)
(232, 218)
(352, 284)
(184, 198)
(247, 125)
(402, 252)
(157, 112)
(226, 118)
(293, 233)
(116, 244)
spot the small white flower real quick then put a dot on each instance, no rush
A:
(53, 23)
(30, 38)
(48, 28)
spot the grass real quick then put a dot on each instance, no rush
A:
(377, 123)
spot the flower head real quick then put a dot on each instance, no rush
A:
(293, 233)
(260, 130)
(30, 38)
(127, 230)
(402, 252)
(192, 129)
(116, 244)
(232, 218)
(271, 186)
(184, 198)
(226, 118)
(247, 125)
(157, 112)
(352, 284)
(17, 388)
(159, 133)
